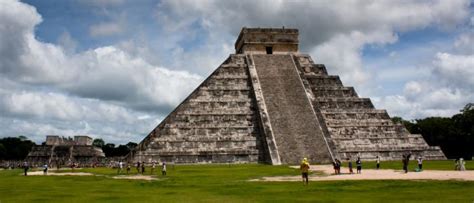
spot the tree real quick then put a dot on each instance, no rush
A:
(131, 145)
(15, 148)
(454, 135)
(98, 142)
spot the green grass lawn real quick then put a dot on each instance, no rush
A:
(226, 183)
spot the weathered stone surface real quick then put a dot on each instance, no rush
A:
(269, 103)
(65, 150)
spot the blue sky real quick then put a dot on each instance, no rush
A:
(115, 68)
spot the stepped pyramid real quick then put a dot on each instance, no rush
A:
(269, 103)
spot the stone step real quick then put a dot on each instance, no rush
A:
(216, 132)
(382, 115)
(351, 130)
(222, 95)
(343, 103)
(333, 91)
(323, 80)
(240, 87)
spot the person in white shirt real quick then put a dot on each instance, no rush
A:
(420, 163)
(163, 169)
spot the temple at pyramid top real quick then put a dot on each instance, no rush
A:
(267, 41)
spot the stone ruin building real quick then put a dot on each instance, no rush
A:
(269, 103)
(65, 150)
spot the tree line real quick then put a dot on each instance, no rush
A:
(110, 150)
(17, 148)
(455, 135)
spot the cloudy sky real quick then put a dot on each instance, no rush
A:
(115, 68)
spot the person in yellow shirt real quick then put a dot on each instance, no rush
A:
(304, 167)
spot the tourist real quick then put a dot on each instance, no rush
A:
(350, 166)
(45, 169)
(304, 167)
(462, 166)
(334, 166)
(163, 169)
(420, 163)
(153, 165)
(119, 167)
(138, 166)
(406, 161)
(377, 161)
(359, 165)
(338, 166)
(26, 167)
(143, 167)
(128, 168)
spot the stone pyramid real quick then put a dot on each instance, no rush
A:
(269, 103)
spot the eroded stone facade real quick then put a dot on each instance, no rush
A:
(65, 150)
(269, 103)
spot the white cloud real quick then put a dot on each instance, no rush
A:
(105, 29)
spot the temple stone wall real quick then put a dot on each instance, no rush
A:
(354, 125)
(277, 108)
(217, 123)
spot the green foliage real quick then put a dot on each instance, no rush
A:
(222, 183)
(454, 135)
(98, 142)
(15, 148)
(111, 151)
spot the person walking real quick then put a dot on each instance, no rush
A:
(420, 163)
(128, 168)
(304, 167)
(377, 161)
(163, 169)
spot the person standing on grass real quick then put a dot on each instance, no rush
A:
(462, 166)
(143, 167)
(128, 168)
(304, 167)
(120, 167)
(350, 166)
(45, 169)
(377, 161)
(163, 169)
(420, 163)
(138, 167)
(338, 166)
(25, 167)
(153, 165)
(359, 165)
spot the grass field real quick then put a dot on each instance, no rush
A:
(228, 183)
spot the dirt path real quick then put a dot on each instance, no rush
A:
(135, 177)
(40, 173)
(371, 174)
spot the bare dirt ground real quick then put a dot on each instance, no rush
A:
(135, 177)
(40, 173)
(372, 174)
